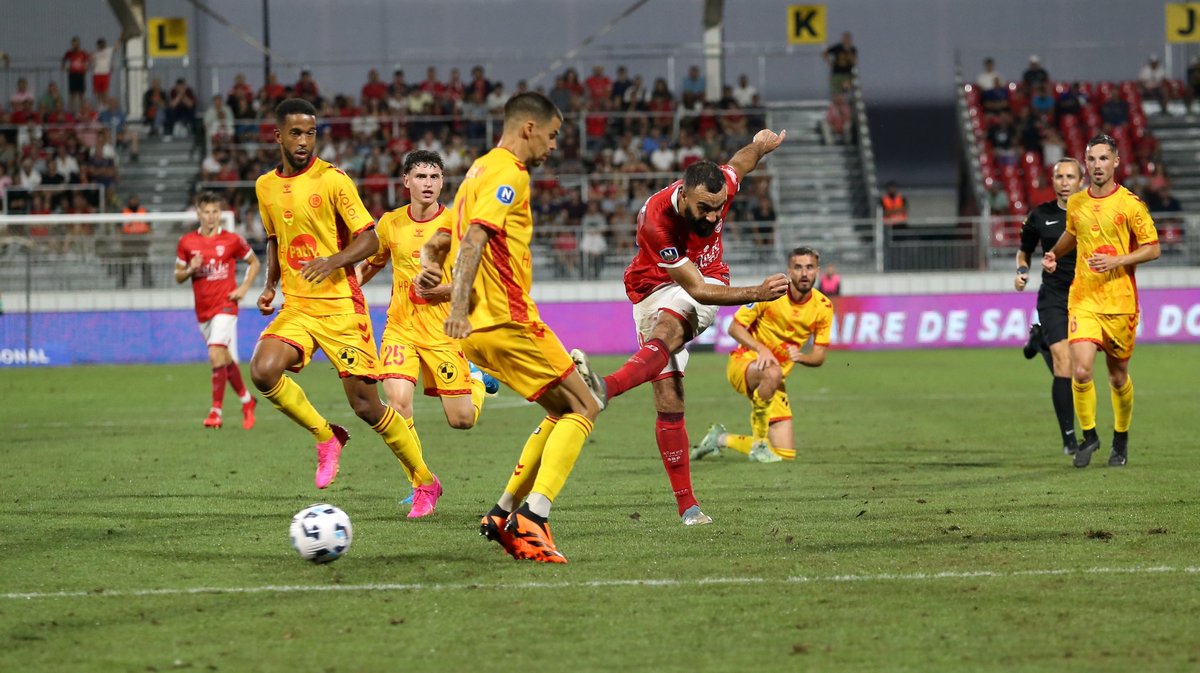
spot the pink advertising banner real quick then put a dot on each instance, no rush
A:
(890, 322)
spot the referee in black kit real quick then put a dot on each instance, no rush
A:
(1045, 224)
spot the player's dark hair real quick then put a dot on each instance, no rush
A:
(293, 106)
(1104, 139)
(207, 197)
(423, 157)
(530, 105)
(704, 173)
(801, 251)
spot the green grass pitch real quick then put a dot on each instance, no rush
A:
(931, 523)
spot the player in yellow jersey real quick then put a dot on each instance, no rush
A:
(770, 335)
(317, 229)
(414, 340)
(501, 331)
(1113, 232)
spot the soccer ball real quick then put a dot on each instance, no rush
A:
(321, 533)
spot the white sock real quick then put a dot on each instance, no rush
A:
(538, 504)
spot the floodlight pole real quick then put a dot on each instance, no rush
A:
(266, 13)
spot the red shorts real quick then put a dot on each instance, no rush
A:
(100, 84)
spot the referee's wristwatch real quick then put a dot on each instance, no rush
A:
(1022, 270)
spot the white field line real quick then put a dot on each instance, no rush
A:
(591, 584)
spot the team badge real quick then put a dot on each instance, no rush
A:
(668, 254)
(505, 194)
(220, 251)
(314, 200)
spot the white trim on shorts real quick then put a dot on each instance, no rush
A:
(221, 330)
(675, 299)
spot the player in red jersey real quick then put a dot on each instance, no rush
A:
(209, 256)
(676, 281)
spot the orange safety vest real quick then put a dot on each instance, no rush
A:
(135, 227)
(894, 210)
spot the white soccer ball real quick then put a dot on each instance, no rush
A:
(321, 533)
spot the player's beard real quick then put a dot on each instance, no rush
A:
(296, 164)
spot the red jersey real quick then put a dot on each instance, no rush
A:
(666, 241)
(77, 61)
(216, 277)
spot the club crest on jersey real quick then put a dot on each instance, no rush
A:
(505, 194)
(668, 254)
(314, 200)
(220, 251)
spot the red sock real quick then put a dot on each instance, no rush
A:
(671, 434)
(235, 379)
(643, 366)
(218, 384)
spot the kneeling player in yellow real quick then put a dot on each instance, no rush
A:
(414, 341)
(770, 335)
(317, 229)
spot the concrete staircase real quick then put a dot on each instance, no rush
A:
(1179, 139)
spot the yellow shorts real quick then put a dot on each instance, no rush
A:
(1114, 333)
(778, 409)
(346, 339)
(444, 369)
(527, 357)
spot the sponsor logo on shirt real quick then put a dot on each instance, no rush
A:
(505, 194)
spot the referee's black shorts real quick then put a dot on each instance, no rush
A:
(1052, 314)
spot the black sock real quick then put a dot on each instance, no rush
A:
(528, 514)
(1089, 435)
(1064, 408)
(499, 511)
(1120, 439)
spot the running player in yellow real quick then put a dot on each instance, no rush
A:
(770, 335)
(317, 229)
(1114, 233)
(415, 341)
(501, 330)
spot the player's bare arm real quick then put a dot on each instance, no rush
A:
(747, 158)
(1066, 243)
(273, 274)
(688, 277)
(363, 246)
(252, 268)
(183, 273)
(465, 268)
(433, 256)
(365, 271)
(813, 358)
(1101, 262)
(743, 336)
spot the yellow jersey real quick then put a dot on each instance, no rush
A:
(314, 214)
(1116, 224)
(401, 239)
(781, 321)
(495, 194)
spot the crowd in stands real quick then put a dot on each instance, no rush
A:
(1027, 125)
(627, 138)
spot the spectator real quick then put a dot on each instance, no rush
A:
(479, 83)
(744, 92)
(432, 86)
(244, 116)
(662, 159)
(1193, 82)
(831, 282)
(1042, 102)
(989, 79)
(135, 244)
(571, 81)
(375, 89)
(51, 99)
(1153, 78)
(620, 85)
(1035, 75)
(218, 122)
(1070, 102)
(662, 102)
(1053, 147)
(763, 217)
(240, 87)
(455, 92)
(22, 95)
(398, 89)
(593, 244)
(688, 152)
(1115, 111)
(635, 97)
(1003, 136)
(997, 199)
(307, 89)
(496, 99)
(181, 108)
(28, 176)
(895, 207)
(842, 59)
(65, 167)
(75, 63)
(1162, 201)
(598, 84)
(271, 93)
(560, 94)
(420, 101)
(475, 112)
(430, 143)
(6, 180)
(836, 119)
(101, 62)
(693, 89)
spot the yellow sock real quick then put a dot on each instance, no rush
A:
(524, 474)
(758, 416)
(289, 397)
(1085, 403)
(477, 394)
(402, 443)
(739, 443)
(412, 428)
(1122, 401)
(562, 449)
